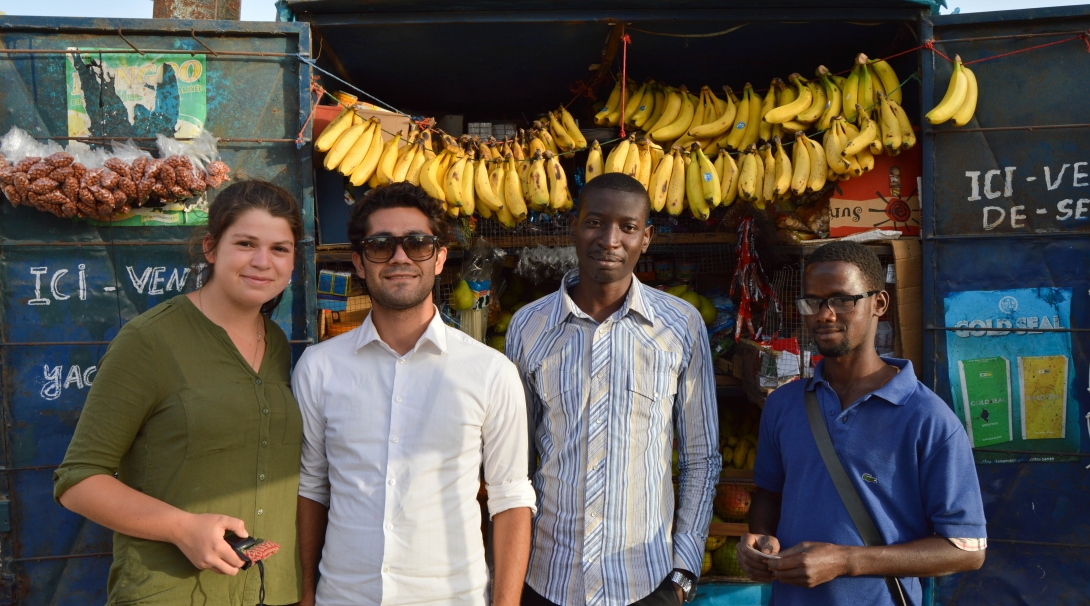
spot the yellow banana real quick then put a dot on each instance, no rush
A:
(453, 185)
(635, 103)
(413, 176)
(365, 170)
(789, 110)
(632, 160)
(560, 134)
(728, 182)
(558, 182)
(572, 128)
(660, 183)
(335, 129)
(753, 127)
(675, 193)
(865, 159)
(835, 99)
(505, 218)
(694, 191)
(541, 131)
(890, 81)
(602, 117)
(340, 149)
(594, 162)
(759, 200)
(358, 151)
(718, 126)
(764, 128)
(680, 124)
(656, 154)
(741, 121)
(429, 177)
(908, 135)
(819, 168)
(833, 147)
(483, 188)
(851, 94)
(674, 99)
(891, 127)
(867, 133)
(710, 184)
(968, 106)
(512, 189)
(538, 183)
(800, 165)
(661, 93)
(703, 109)
(643, 175)
(866, 84)
(817, 106)
(469, 200)
(616, 158)
(646, 108)
(784, 170)
(750, 179)
(388, 159)
(401, 167)
(769, 190)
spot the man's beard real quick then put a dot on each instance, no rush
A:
(837, 351)
(400, 300)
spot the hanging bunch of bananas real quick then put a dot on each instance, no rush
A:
(490, 178)
(959, 102)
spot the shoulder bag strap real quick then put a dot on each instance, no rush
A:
(844, 487)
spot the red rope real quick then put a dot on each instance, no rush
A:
(1082, 37)
(624, 79)
(930, 45)
(316, 88)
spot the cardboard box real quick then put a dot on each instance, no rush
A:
(908, 338)
(391, 122)
(876, 200)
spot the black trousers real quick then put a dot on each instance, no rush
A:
(664, 595)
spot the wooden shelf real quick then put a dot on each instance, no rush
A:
(728, 529)
(735, 475)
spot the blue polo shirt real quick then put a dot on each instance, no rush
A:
(908, 456)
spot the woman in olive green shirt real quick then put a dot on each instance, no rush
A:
(191, 409)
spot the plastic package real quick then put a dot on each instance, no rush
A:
(542, 263)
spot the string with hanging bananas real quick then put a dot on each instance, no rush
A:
(492, 179)
(860, 116)
(959, 102)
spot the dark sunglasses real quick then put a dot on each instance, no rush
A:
(418, 247)
(809, 306)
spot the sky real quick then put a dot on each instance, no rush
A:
(264, 10)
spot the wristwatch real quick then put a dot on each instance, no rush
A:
(687, 586)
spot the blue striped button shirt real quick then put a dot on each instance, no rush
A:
(606, 402)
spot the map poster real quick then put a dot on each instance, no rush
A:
(986, 400)
(131, 95)
(1009, 363)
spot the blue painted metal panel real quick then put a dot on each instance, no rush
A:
(66, 287)
(1039, 545)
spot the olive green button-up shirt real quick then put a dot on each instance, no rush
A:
(178, 414)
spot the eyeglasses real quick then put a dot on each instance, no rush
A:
(809, 306)
(418, 247)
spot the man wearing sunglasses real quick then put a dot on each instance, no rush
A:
(615, 373)
(903, 450)
(399, 415)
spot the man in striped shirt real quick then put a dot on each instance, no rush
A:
(615, 372)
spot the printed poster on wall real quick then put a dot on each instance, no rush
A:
(1011, 375)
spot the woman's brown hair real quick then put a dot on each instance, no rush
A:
(234, 201)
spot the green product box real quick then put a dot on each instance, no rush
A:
(986, 400)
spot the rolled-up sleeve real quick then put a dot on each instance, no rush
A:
(314, 466)
(121, 397)
(697, 429)
(506, 442)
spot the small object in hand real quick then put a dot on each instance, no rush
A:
(251, 549)
(753, 552)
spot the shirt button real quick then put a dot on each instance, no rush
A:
(264, 442)
(394, 440)
(844, 420)
(398, 399)
(260, 511)
(593, 515)
(261, 476)
(401, 361)
(385, 569)
(265, 411)
(389, 527)
(656, 394)
(257, 381)
(393, 481)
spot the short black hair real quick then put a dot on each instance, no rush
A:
(396, 195)
(619, 182)
(856, 254)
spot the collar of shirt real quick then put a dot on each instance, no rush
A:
(435, 334)
(896, 391)
(564, 307)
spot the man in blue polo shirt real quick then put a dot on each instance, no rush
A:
(902, 447)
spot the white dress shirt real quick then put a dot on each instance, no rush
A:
(393, 445)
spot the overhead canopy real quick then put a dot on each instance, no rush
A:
(487, 62)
